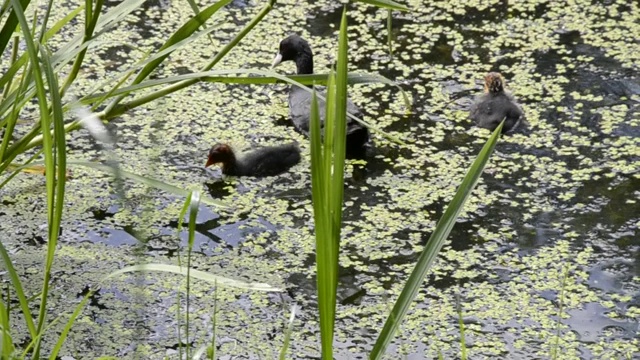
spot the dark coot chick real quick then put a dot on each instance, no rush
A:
(265, 161)
(294, 48)
(495, 105)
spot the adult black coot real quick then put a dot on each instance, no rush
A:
(495, 105)
(265, 161)
(295, 48)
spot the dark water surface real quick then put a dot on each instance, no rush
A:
(553, 222)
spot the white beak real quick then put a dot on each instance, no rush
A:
(277, 60)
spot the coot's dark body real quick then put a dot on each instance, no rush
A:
(496, 104)
(294, 48)
(265, 161)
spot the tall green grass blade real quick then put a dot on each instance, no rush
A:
(386, 4)
(148, 181)
(340, 140)
(54, 152)
(327, 170)
(60, 169)
(326, 265)
(318, 175)
(197, 274)
(67, 328)
(287, 333)
(433, 246)
(328, 133)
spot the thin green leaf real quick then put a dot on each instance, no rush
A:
(340, 138)
(386, 4)
(201, 275)
(148, 181)
(266, 77)
(206, 76)
(433, 246)
(326, 265)
(19, 290)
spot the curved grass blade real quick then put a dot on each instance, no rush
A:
(201, 275)
(386, 4)
(60, 168)
(15, 67)
(433, 246)
(117, 110)
(327, 188)
(214, 75)
(128, 72)
(19, 290)
(147, 181)
(184, 32)
(54, 155)
(223, 76)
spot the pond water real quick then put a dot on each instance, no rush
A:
(553, 222)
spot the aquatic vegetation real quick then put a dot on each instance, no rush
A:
(560, 200)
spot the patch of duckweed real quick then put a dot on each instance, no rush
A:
(545, 217)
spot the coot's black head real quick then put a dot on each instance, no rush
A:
(493, 83)
(220, 153)
(295, 48)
